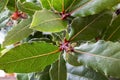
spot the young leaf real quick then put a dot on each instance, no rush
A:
(58, 70)
(94, 6)
(113, 31)
(29, 57)
(47, 21)
(28, 7)
(3, 3)
(19, 32)
(91, 27)
(83, 73)
(101, 56)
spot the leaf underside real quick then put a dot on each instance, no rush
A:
(101, 56)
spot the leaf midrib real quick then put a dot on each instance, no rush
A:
(47, 21)
(90, 54)
(112, 34)
(37, 56)
(94, 20)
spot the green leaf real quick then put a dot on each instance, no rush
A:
(29, 57)
(58, 70)
(3, 3)
(44, 75)
(47, 21)
(58, 5)
(46, 4)
(28, 7)
(71, 59)
(83, 73)
(19, 32)
(94, 6)
(22, 76)
(101, 56)
(91, 27)
(113, 30)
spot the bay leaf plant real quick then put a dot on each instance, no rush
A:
(62, 39)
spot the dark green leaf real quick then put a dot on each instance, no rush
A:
(19, 32)
(113, 31)
(83, 73)
(90, 27)
(29, 57)
(101, 56)
(28, 7)
(58, 70)
(3, 3)
(44, 75)
(94, 6)
(47, 21)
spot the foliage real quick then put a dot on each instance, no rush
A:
(61, 39)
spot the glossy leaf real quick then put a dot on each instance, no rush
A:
(94, 6)
(28, 7)
(113, 30)
(47, 21)
(3, 3)
(58, 70)
(91, 27)
(101, 56)
(19, 32)
(83, 73)
(29, 57)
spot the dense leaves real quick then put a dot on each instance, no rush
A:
(101, 56)
(29, 57)
(63, 23)
(19, 32)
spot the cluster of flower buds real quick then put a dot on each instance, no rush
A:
(64, 15)
(66, 46)
(17, 15)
